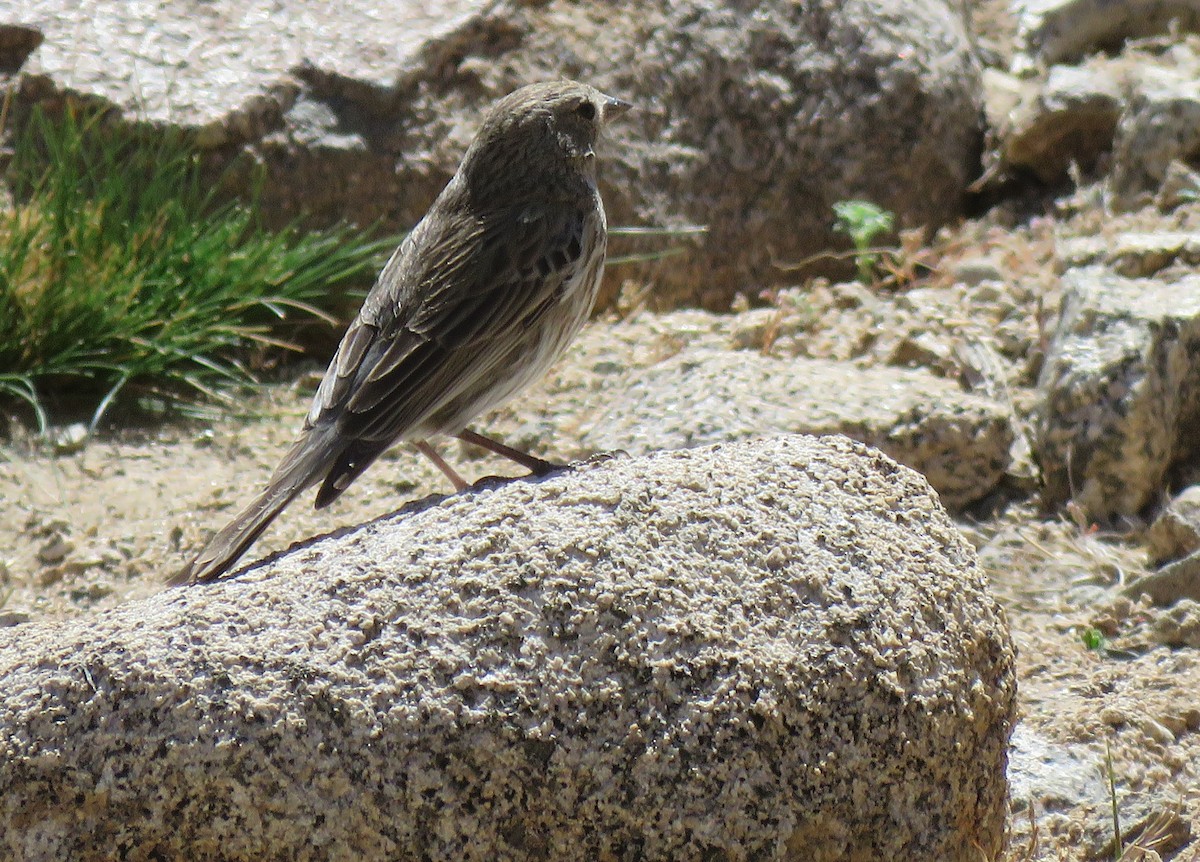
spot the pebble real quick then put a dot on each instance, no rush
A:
(68, 440)
(974, 271)
(1158, 732)
(55, 550)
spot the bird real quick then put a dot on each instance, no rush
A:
(487, 290)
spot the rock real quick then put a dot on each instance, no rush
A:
(13, 618)
(55, 550)
(1050, 776)
(1113, 716)
(1118, 391)
(1180, 187)
(959, 441)
(753, 651)
(1003, 94)
(16, 44)
(69, 439)
(1069, 119)
(1055, 31)
(1161, 126)
(1073, 252)
(1132, 254)
(1175, 533)
(978, 271)
(1155, 730)
(364, 111)
(1172, 583)
(196, 70)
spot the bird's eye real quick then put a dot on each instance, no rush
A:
(586, 110)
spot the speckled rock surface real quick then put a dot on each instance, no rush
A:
(772, 650)
(960, 441)
(1175, 532)
(1135, 255)
(363, 110)
(1161, 126)
(1177, 581)
(1130, 114)
(1120, 390)
(193, 63)
(1067, 119)
(1049, 775)
(1051, 31)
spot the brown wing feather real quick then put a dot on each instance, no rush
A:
(475, 282)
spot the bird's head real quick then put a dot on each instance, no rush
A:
(549, 129)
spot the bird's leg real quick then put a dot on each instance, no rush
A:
(429, 452)
(538, 466)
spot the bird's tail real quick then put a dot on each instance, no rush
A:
(303, 466)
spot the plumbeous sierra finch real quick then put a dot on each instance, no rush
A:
(486, 291)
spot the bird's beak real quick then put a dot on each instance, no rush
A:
(614, 108)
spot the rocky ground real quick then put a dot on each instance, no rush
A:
(1108, 682)
(89, 529)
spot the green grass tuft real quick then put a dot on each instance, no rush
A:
(122, 278)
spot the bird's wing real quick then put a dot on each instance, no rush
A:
(455, 288)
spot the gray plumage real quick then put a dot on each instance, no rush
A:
(484, 294)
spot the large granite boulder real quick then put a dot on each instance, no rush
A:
(772, 650)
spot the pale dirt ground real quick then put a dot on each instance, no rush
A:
(89, 530)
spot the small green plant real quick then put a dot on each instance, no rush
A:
(1094, 639)
(122, 278)
(863, 222)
